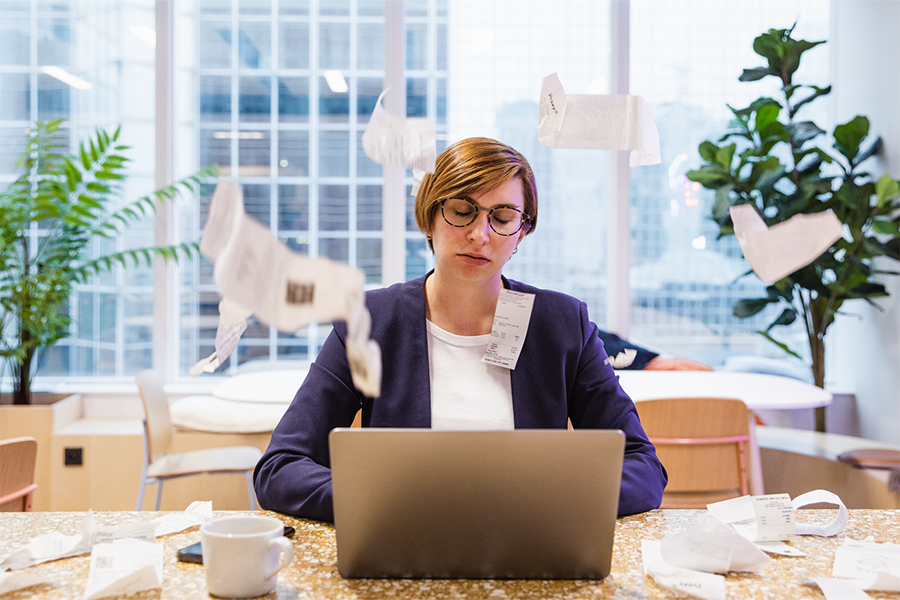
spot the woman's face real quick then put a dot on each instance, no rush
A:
(476, 252)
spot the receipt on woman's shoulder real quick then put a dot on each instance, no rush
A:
(617, 122)
(123, 567)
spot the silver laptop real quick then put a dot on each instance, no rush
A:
(525, 504)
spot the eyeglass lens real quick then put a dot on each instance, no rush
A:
(460, 213)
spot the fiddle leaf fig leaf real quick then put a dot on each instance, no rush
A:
(849, 136)
(751, 306)
(887, 189)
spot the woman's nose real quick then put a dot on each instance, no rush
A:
(480, 228)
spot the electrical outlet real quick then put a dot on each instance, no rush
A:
(73, 456)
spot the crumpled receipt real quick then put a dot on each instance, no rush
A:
(777, 251)
(256, 272)
(232, 323)
(617, 122)
(54, 545)
(124, 566)
(402, 142)
(868, 565)
(10, 582)
(712, 546)
(697, 583)
(623, 359)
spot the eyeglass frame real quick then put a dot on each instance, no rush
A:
(526, 218)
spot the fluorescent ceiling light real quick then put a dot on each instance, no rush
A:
(145, 34)
(336, 82)
(241, 135)
(67, 78)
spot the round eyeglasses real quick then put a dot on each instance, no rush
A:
(504, 220)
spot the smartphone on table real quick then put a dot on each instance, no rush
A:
(194, 552)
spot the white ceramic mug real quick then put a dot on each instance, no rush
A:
(242, 555)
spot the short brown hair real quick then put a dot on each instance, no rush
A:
(473, 166)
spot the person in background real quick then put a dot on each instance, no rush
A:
(475, 209)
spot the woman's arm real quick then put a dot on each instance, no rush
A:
(294, 476)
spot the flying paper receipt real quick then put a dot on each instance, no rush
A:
(256, 272)
(392, 140)
(584, 121)
(777, 251)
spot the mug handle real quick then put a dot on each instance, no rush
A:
(287, 554)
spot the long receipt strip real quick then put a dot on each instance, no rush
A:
(511, 319)
(732, 535)
(585, 121)
(256, 273)
(125, 558)
(777, 251)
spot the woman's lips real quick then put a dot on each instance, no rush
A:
(474, 259)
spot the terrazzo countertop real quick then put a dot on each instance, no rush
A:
(313, 574)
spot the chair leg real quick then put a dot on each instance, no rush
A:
(250, 491)
(159, 483)
(140, 502)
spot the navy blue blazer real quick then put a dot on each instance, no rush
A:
(561, 374)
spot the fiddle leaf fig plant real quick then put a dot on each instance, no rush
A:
(49, 218)
(781, 164)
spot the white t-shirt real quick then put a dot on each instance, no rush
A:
(466, 394)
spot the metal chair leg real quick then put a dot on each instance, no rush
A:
(250, 491)
(159, 483)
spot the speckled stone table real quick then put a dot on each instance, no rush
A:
(313, 574)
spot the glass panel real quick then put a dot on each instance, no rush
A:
(367, 91)
(334, 46)
(334, 107)
(334, 209)
(370, 8)
(416, 46)
(12, 145)
(368, 258)
(334, 154)
(368, 208)
(416, 8)
(214, 45)
(15, 41)
(293, 208)
(441, 63)
(682, 276)
(215, 99)
(53, 99)
(56, 361)
(53, 39)
(440, 101)
(293, 153)
(293, 7)
(293, 99)
(416, 97)
(419, 259)
(215, 148)
(293, 45)
(15, 97)
(255, 99)
(214, 7)
(255, 7)
(254, 154)
(335, 7)
(255, 47)
(338, 250)
(370, 46)
(365, 166)
(257, 202)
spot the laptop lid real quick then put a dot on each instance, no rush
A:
(525, 504)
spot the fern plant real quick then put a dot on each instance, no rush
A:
(49, 217)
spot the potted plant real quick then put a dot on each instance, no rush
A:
(777, 163)
(48, 218)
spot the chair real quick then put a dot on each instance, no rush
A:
(704, 444)
(17, 460)
(160, 466)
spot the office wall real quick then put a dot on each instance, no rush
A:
(864, 346)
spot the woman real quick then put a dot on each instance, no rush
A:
(475, 209)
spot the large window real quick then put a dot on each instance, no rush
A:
(278, 93)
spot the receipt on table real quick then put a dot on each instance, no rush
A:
(712, 546)
(52, 546)
(124, 566)
(16, 581)
(695, 583)
(834, 527)
(402, 142)
(865, 560)
(141, 530)
(197, 513)
(258, 273)
(591, 121)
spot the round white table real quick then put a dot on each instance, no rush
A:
(758, 391)
(276, 386)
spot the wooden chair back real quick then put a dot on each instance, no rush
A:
(704, 444)
(17, 461)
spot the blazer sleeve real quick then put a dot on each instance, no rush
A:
(598, 401)
(293, 476)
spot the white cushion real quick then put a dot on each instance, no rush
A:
(208, 413)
